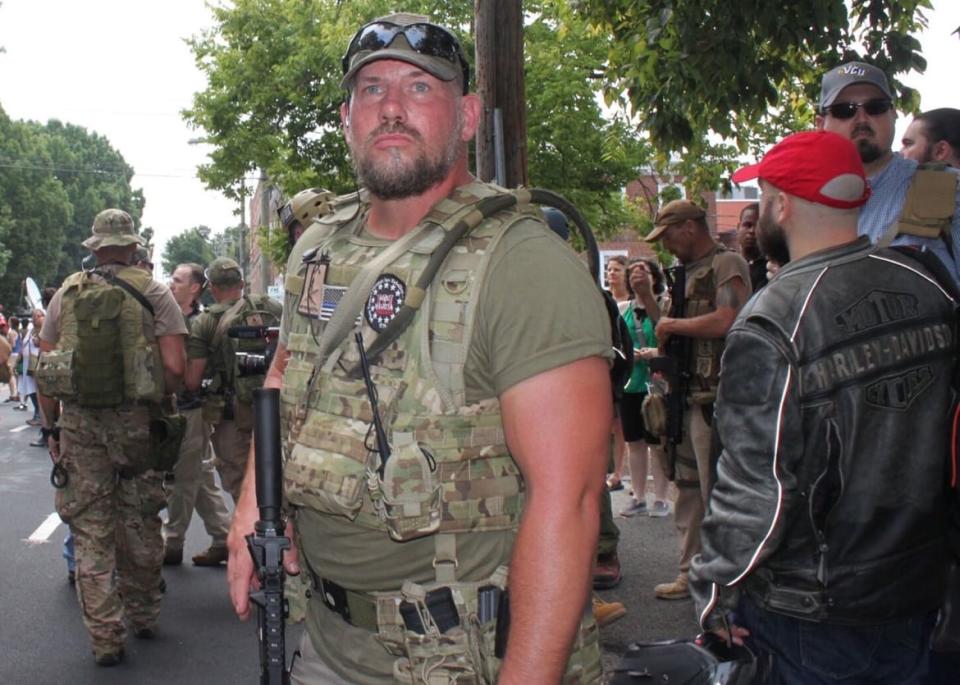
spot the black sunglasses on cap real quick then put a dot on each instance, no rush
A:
(847, 110)
(426, 39)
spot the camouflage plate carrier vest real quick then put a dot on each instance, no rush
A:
(704, 363)
(449, 471)
(249, 310)
(103, 358)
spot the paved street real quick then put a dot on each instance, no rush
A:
(43, 642)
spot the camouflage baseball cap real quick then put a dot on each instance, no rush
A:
(112, 227)
(410, 38)
(224, 271)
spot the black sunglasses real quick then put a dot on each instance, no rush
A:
(847, 110)
(426, 39)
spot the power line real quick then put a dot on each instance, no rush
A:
(101, 172)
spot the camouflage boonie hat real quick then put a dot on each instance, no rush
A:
(224, 271)
(112, 227)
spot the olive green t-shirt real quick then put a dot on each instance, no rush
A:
(202, 330)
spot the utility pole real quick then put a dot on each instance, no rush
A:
(244, 262)
(502, 136)
(264, 226)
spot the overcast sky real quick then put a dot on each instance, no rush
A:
(121, 68)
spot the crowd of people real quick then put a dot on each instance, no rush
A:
(790, 401)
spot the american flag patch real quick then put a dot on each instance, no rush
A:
(332, 294)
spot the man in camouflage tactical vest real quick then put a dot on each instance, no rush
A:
(210, 355)
(717, 286)
(495, 402)
(111, 388)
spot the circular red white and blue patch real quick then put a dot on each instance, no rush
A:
(386, 298)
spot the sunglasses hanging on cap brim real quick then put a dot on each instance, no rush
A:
(426, 39)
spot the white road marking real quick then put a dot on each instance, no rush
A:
(20, 428)
(45, 530)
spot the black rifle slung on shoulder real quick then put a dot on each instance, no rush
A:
(674, 364)
(268, 543)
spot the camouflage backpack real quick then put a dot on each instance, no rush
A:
(249, 310)
(103, 357)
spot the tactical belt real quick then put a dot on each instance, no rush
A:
(356, 608)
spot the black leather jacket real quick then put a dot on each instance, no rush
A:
(832, 500)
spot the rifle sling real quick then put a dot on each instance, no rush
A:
(113, 279)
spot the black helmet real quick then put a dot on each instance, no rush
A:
(708, 660)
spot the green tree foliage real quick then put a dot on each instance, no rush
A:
(272, 99)
(693, 70)
(54, 178)
(34, 208)
(192, 245)
(95, 176)
(572, 147)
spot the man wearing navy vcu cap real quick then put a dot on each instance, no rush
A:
(910, 205)
(827, 539)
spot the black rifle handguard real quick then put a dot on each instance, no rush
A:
(675, 365)
(268, 543)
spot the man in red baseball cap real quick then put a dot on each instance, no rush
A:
(826, 543)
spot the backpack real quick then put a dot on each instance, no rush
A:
(249, 310)
(103, 358)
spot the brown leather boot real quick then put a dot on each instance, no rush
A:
(214, 555)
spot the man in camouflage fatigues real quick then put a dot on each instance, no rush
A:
(495, 403)
(112, 497)
(230, 419)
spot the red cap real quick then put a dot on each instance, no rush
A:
(818, 166)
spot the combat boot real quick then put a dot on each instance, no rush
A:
(606, 572)
(677, 589)
(605, 613)
(172, 556)
(109, 658)
(214, 555)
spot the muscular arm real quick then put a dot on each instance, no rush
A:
(731, 296)
(194, 375)
(174, 359)
(649, 301)
(49, 407)
(240, 571)
(557, 427)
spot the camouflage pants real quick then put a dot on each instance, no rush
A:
(115, 520)
(232, 447)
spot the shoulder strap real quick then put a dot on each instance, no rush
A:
(462, 225)
(136, 294)
(225, 320)
(350, 305)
